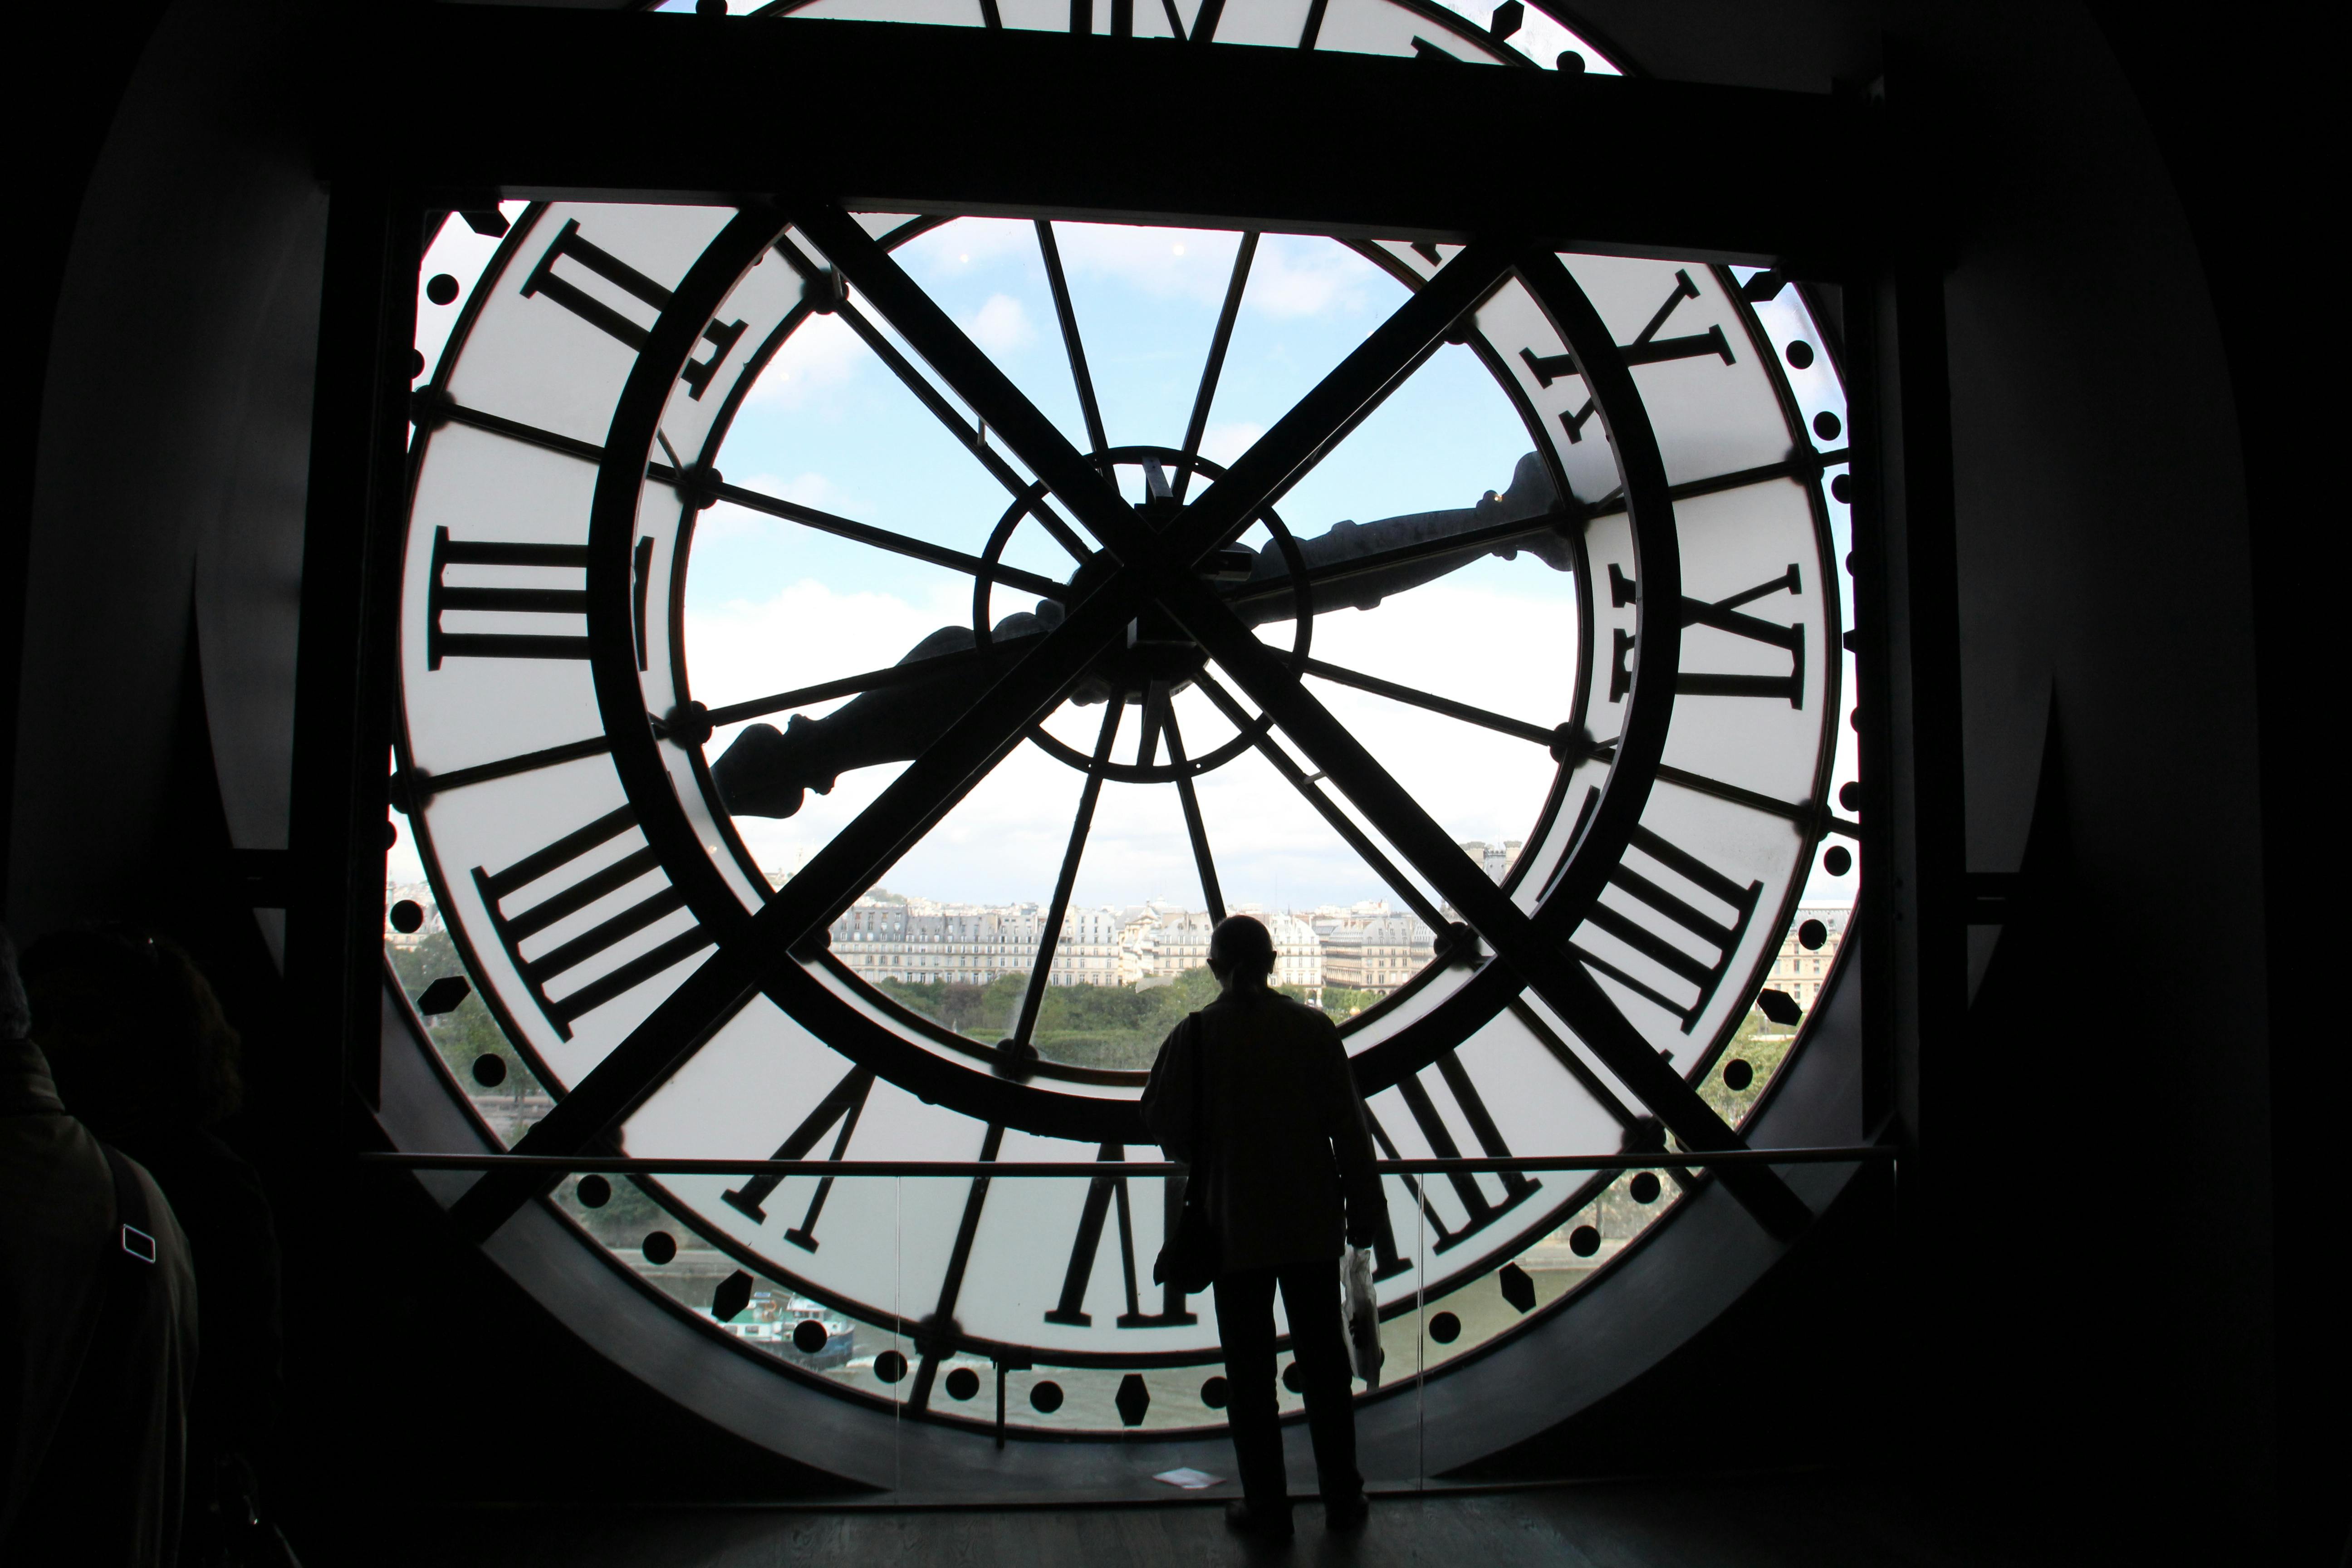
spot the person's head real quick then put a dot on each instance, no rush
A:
(15, 1013)
(133, 1034)
(1241, 954)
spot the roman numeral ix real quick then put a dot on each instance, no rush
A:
(546, 283)
(544, 868)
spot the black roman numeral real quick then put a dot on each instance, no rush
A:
(1481, 1210)
(544, 281)
(844, 1104)
(1102, 1194)
(440, 598)
(1724, 615)
(1647, 348)
(642, 565)
(516, 928)
(1647, 939)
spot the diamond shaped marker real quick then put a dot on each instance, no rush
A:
(734, 1294)
(443, 996)
(1517, 1289)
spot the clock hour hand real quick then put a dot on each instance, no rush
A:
(769, 772)
(1355, 565)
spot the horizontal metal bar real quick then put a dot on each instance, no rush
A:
(1049, 125)
(620, 1165)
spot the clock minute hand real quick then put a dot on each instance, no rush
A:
(1355, 565)
(768, 772)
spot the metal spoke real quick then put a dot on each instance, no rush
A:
(1802, 813)
(1068, 317)
(1568, 1057)
(1210, 892)
(1218, 341)
(1042, 973)
(863, 532)
(912, 672)
(422, 785)
(974, 438)
(1332, 811)
(1800, 466)
(430, 408)
(1435, 704)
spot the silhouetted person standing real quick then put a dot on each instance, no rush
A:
(97, 1331)
(1288, 1161)
(142, 1055)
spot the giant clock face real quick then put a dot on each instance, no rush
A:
(1584, 596)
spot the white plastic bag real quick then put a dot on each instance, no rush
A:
(1364, 1316)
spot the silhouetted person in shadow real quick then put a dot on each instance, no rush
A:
(98, 1330)
(144, 1057)
(1288, 1160)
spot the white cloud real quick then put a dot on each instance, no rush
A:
(1300, 277)
(967, 242)
(1001, 325)
(1223, 443)
(1166, 263)
(822, 351)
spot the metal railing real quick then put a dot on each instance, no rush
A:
(614, 1165)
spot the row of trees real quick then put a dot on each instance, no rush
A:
(1084, 1025)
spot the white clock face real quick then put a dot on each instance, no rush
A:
(675, 633)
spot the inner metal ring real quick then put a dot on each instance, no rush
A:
(1302, 599)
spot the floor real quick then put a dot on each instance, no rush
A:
(1783, 1522)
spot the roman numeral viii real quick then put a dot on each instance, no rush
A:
(1724, 615)
(558, 894)
(546, 283)
(1667, 926)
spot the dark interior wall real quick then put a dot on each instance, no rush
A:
(170, 466)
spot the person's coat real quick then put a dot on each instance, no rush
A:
(1287, 1150)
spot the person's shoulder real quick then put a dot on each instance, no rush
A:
(1294, 1017)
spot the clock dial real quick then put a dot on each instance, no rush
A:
(1088, 629)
